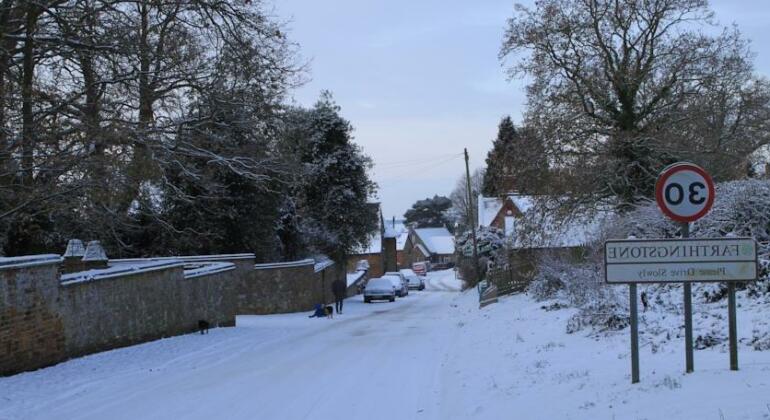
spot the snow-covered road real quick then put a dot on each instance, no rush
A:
(381, 360)
(433, 355)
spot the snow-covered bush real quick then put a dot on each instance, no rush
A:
(600, 315)
(581, 285)
(558, 276)
(741, 208)
(491, 250)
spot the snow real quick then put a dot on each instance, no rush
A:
(392, 230)
(207, 269)
(437, 240)
(75, 248)
(322, 263)
(401, 240)
(389, 232)
(352, 278)
(431, 355)
(119, 270)
(374, 246)
(94, 252)
(28, 261)
(549, 231)
(488, 209)
(193, 258)
(270, 266)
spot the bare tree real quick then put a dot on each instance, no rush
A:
(619, 89)
(462, 210)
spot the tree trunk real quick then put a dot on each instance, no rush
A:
(28, 77)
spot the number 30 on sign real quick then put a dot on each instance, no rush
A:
(684, 192)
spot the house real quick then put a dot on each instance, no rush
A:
(510, 212)
(381, 254)
(531, 233)
(371, 254)
(429, 244)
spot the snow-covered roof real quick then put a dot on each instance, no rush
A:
(489, 207)
(375, 246)
(392, 230)
(551, 232)
(401, 240)
(437, 240)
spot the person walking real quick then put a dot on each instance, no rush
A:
(339, 289)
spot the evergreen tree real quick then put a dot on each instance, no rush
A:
(516, 163)
(497, 179)
(333, 186)
(431, 212)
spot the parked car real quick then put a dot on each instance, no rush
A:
(412, 279)
(421, 268)
(379, 289)
(399, 282)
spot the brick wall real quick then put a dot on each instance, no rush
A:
(32, 333)
(44, 320)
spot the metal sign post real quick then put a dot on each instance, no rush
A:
(634, 333)
(732, 328)
(685, 261)
(688, 353)
(685, 193)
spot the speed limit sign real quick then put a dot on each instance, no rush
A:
(684, 192)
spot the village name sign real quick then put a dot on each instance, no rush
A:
(680, 260)
(685, 193)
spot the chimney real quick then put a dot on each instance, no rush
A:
(73, 256)
(95, 257)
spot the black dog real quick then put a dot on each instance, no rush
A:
(329, 310)
(203, 326)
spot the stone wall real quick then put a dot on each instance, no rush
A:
(32, 332)
(285, 287)
(46, 317)
(128, 309)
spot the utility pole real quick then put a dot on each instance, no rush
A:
(471, 221)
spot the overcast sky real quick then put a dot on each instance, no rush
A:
(420, 80)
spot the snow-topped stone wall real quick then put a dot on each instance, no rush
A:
(286, 287)
(47, 317)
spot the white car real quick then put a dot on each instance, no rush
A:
(400, 283)
(412, 279)
(379, 289)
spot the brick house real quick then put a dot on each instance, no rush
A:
(429, 244)
(508, 213)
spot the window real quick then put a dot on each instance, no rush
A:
(510, 225)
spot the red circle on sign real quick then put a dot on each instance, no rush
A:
(673, 170)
